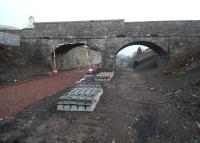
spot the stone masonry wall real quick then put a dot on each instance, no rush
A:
(81, 29)
(77, 57)
(174, 37)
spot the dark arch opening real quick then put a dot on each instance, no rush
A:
(63, 49)
(157, 49)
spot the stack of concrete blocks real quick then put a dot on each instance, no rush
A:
(104, 76)
(83, 98)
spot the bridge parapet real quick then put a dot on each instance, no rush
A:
(85, 29)
(162, 28)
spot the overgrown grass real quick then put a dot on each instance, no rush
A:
(184, 67)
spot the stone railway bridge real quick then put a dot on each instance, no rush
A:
(168, 39)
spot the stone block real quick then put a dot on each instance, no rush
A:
(60, 107)
(81, 108)
(74, 108)
(66, 108)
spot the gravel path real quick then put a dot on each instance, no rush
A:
(15, 98)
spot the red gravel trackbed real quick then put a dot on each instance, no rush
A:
(14, 98)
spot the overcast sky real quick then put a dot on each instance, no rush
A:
(16, 12)
(131, 49)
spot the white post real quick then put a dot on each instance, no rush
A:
(88, 58)
(1, 37)
(54, 58)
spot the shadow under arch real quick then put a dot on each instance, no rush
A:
(64, 48)
(157, 49)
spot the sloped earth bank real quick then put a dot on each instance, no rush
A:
(132, 109)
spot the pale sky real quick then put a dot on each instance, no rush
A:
(131, 49)
(16, 12)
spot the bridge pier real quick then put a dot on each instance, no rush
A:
(108, 62)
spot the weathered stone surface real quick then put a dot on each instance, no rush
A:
(78, 58)
(77, 29)
(166, 38)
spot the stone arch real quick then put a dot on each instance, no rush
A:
(157, 49)
(162, 59)
(66, 47)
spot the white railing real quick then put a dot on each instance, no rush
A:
(9, 39)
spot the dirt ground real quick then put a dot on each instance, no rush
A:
(133, 109)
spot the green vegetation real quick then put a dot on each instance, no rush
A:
(197, 89)
(139, 51)
(184, 68)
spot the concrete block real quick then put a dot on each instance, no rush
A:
(60, 107)
(74, 108)
(81, 108)
(88, 109)
(67, 108)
